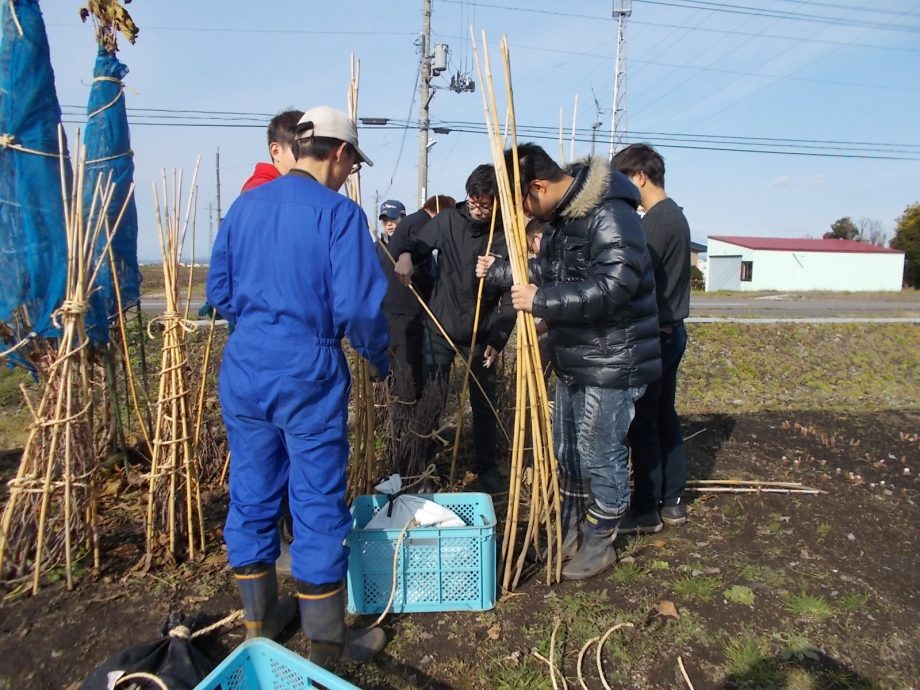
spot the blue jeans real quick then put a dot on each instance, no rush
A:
(659, 460)
(589, 428)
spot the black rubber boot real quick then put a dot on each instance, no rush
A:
(266, 614)
(322, 616)
(596, 552)
(576, 497)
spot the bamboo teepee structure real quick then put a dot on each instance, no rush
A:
(534, 483)
(174, 521)
(50, 519)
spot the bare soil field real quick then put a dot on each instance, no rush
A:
(757, 590)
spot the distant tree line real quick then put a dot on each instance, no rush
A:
(907, 239)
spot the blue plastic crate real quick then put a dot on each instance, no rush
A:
(439, 569)
(261, 664)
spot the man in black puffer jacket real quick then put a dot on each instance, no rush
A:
(593, 285)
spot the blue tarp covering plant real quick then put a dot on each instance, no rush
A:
(33, 247)
(108, 151)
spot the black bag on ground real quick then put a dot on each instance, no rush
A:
(173, 661)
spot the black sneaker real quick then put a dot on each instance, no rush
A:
(674, 512)
(640, 523)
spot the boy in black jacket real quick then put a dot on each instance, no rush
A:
(461, 234)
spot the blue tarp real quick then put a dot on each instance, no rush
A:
(108, 149)
(33, 245)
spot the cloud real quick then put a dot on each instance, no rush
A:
(782, 181)
(791, 181)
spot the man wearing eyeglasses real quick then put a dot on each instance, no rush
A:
(295, 270)
(461, 234)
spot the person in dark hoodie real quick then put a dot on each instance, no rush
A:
(461, 234)
(593, 285)
(403, 310)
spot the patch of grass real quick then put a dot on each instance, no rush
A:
(823, 530)
(807, 606)
(627, 573)
(703, 588)
(869, 365)
(659, 565)
(739, 594)
(505, 674)
(853, 602)
(747, 658)
(754, 572)
(733, 509)
(797, 647)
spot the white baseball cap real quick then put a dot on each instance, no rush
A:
(324, 121)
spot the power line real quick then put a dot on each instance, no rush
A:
(722, 143)
(838, 6)
(796, 39)
(781, 14)
(217, 29)
(466, 125)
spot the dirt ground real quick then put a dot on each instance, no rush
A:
(758, 590)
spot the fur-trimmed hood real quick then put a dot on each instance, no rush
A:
(594, 182)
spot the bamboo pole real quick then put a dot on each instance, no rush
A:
(469, 361)
(532, 405)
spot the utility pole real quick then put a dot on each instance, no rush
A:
(424, 98)
(621, 11)
(219, 218)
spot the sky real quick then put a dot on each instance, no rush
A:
(731, 93)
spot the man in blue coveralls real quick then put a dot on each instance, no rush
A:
(294, 270)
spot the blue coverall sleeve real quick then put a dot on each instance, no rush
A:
(359, 287)
(219, 285)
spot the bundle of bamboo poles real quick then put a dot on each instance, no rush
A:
(534, 487)
(362, 468)
(50, 519)
(174, 521)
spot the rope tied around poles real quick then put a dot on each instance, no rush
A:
(8, 141)
(171, 319)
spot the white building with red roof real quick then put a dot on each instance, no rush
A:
(777, 263)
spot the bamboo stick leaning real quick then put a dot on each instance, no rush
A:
(362, 467)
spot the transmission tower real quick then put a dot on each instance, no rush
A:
(621, 11)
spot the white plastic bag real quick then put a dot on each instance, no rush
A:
(402, 508)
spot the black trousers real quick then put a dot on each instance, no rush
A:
(658, 457)
(406, 340)
(485, 426)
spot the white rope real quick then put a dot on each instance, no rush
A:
(7, 142)
(233, 617)
(680, 662)
(129, 152)
(551, 661)
(22, 343)
(402, 535)
(139, 676)
(121, 93)
(581, 656)
(600, 647)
